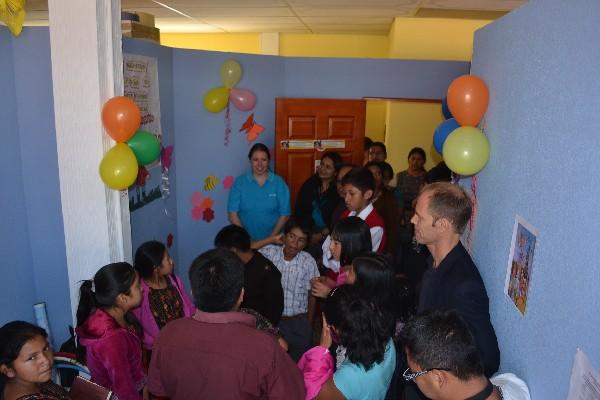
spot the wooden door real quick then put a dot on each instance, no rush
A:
(306, 128)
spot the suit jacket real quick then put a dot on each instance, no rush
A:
(457, 284)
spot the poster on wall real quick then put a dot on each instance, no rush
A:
(520, 263)
(140, 78)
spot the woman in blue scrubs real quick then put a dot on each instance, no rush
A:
(259, 201)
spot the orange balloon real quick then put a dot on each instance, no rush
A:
(121, 118)
(468, 98)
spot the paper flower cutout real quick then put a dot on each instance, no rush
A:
(210, 182)
(197, 199)
(166, 156)
(228, 182)
(208, 215)
(200, 207)
(207, 203)
(196, 213)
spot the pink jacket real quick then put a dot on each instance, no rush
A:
(317, 367)
(144, 314)
(113, 355)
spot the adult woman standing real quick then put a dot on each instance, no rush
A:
(410, 181)
(318, 197)
(259, 201)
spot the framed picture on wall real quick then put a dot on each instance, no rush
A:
(520, 263)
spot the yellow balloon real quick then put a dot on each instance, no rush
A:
(231, 73)
(466, 150)
(119, 167)
(216, 99)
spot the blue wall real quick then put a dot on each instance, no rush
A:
(541, 66)
(17, 271)
(157, 219)
(199, 148)
(357, 78)
(32, 233)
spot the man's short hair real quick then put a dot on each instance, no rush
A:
(233, 236)
(295, 223)
(440, 339)
(449, 201)
(217, 279)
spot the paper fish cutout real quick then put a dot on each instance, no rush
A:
(166, 155)
(228, 182)
(12, 13)
(208, 215)
(210, 182)
(252, 128)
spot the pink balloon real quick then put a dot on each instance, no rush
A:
(242, 99)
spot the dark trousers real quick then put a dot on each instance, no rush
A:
(297, 332)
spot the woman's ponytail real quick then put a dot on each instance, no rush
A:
(87, 301)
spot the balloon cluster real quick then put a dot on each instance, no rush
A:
(216, 99)
(465, 147)
(121, 118)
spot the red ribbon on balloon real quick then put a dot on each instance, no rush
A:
(219, 98)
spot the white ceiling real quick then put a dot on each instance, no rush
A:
(297, 16)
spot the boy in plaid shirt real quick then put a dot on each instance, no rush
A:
(297, 268)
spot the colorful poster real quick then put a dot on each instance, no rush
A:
(520, 263)
(140, 78)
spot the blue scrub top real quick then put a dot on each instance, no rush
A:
(259, 207)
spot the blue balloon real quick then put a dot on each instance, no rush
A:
(445, 109)
(442, 132)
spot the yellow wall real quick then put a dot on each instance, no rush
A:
(402, 125)
(433, 38)
(410, 125)
(376, 120)
(230, 42)
(313, 45)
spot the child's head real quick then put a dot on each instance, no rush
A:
(358, 186)
(387, 172)
(373, 276)
(153, 258)
(114, 285)
(376, 170)
(234, 238)
(350, 237)
(295, 238)
(358, 324)
(25, 354)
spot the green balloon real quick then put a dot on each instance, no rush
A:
(466, 150)
(145, 146)
(231, 73)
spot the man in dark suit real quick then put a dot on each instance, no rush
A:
(452, 280)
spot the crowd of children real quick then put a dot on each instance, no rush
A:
(354, 281)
